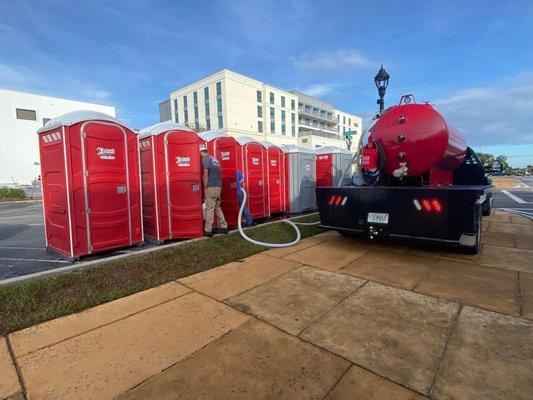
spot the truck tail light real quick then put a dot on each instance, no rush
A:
(428, 205)
(337, 200)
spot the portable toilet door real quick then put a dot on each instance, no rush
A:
(224, 149)
(91, 184)
(275, 167)
(252, 157)
(172, 182)
(300, 178)
(331, 161)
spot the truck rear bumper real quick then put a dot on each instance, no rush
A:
(448, 214)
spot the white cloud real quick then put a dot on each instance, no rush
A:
(334, 60)
(318, 89)
(492, 115)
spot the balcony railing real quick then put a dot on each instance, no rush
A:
(318, 125)
(316, 114)
(324, 134)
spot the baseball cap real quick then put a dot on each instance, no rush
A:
(203, 147)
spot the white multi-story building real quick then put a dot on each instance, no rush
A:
(241, 105)
(21, 114)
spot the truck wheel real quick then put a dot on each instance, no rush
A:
(486, 207)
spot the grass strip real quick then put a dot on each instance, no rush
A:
(31, 302)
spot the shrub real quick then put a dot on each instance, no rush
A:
(11, 193)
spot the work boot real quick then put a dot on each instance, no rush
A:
(208, 233)
(224, 230)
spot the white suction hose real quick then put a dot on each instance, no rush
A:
(287, 221)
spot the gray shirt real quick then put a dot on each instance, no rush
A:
(213, 171)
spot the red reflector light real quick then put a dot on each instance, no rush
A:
(426, 205)
(436, 205)
(332, 200)
(339, 199)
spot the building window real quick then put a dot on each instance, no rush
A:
(344, 120)
(186, 116)
(304, 140)
(338, 118)
(293, 104)
(283, 131)
(293, 131)
(282, 115)
(349, 121)
(207, 110)
(355, 124)
(272, 127)
(283, 101)
(185, 101)
(293, 118)
(176, 118)
(271, 98)
(259, 96)
(206, 94)
(272, 113)
(260, 111)
(219, 88)
(260, 126)
(195, 97)
(208, 124)
(196, 113)
(219, 105)
(175, 105)
(45, 120)
(30, 115)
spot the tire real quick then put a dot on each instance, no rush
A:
(486, 207)
(479, 228)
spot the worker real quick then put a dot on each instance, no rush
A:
(240, 196)
(212, 189)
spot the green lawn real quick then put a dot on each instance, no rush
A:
(28, 303)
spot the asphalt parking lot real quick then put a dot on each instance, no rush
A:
(22, 248)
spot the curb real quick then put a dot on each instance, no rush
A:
(94, 263)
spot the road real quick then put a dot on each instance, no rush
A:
(22, 248)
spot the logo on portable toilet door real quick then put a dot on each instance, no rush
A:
(308, 167)
(273, 162)
(225, 155)
(105, 154)
(255, 161)
(183, 161)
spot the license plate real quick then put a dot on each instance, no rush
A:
(378, 218)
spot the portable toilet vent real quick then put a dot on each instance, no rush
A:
(91, 184)
(171, 172)
(300, 178)
(225, 148)
(331, 161)
(252, 163)
(276, 188)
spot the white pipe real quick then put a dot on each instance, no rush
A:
(287, 221)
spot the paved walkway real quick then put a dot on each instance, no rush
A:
(334, 317)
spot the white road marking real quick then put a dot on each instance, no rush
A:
(20, 248)
(19, 209)
(515, 198)
(32, 260)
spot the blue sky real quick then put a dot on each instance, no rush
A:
(472, 59)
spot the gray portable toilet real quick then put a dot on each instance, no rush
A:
(300, 178)
(331, 161)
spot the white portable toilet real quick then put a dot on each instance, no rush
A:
(300, 178)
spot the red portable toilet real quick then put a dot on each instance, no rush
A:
(252, 163)
(331, 161)
(91, 184)
(171, 173)
(300, 178)
(225, 149)
(276, 191)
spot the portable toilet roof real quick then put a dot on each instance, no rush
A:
(331, 149)
(210, 135)
(242, 140)
(268, 144)
(74, 117)
(292, 148)
(162, 127)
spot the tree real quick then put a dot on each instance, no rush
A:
(505, 165)
(196, 127)
(485, 158)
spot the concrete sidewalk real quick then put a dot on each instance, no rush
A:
(334, 317)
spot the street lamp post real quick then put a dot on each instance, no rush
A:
(381, 80)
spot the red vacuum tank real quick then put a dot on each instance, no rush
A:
(417, 135)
